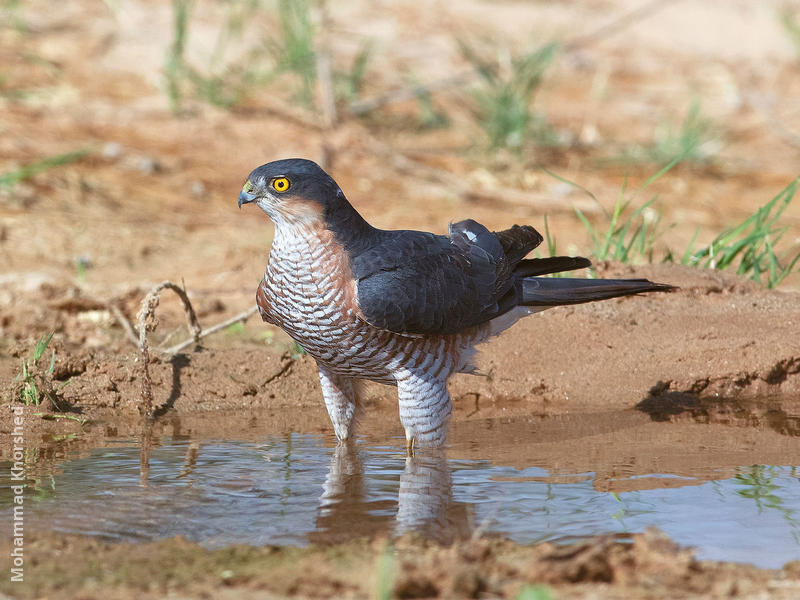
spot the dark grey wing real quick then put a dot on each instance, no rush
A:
(420, 283)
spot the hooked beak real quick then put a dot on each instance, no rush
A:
(246, 197)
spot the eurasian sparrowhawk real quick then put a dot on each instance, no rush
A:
(399, 307)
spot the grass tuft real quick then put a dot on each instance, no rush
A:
(350, 83)
(221, 83)
(750, 245)
(791, 26)
(236, 329)
(694, 141)
(10, 16)
(627, 240)
(552, 247)
(174, 68)
(293, 49)
(290, 49)
(535, 592)
(297, 351)
(29, 390)
(504, 99)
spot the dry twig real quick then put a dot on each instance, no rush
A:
(622, 22)
(361, 107)
(147, 320)
(241, 317)
(124, 323)
(465, 189)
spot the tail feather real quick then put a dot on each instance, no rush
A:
(557, 291)
(531, 267)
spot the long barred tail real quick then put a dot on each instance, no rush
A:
(545, 291)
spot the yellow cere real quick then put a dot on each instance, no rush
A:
(281, 184)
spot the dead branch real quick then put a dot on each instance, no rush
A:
(147, 320)
(497, 195)
(274, 107)
(124, 323)
(622, 22)
(241, 317)
(361, 107)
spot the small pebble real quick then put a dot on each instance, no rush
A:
(197, 189)
(112, 151)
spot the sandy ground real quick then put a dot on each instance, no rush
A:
(155, 200)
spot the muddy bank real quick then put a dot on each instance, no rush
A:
(646, 565)
(718, 337)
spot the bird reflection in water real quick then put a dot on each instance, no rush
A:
(347, 509)
(424, 504)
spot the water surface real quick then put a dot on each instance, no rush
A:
(302, 488)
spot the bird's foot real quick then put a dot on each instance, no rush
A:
(409, 446)
(342, 431)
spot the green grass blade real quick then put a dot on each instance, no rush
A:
(535, 592)
(664, 170)
(784, 272)
(686, 259)
(569, 182)
(588, 225)
(612, 227)
(752, 243)
(11, 178)
(41, 346)
(358, 69)
(551, 241)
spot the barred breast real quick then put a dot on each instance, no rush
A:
(309, 292)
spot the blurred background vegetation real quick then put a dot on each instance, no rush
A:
(643, 131)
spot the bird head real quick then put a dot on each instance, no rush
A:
(292, 191)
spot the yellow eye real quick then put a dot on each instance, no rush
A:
(281, 184)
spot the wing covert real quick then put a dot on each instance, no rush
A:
(420, 283)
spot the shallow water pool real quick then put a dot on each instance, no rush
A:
(302, 488)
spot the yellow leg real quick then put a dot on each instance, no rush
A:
(410, 446)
